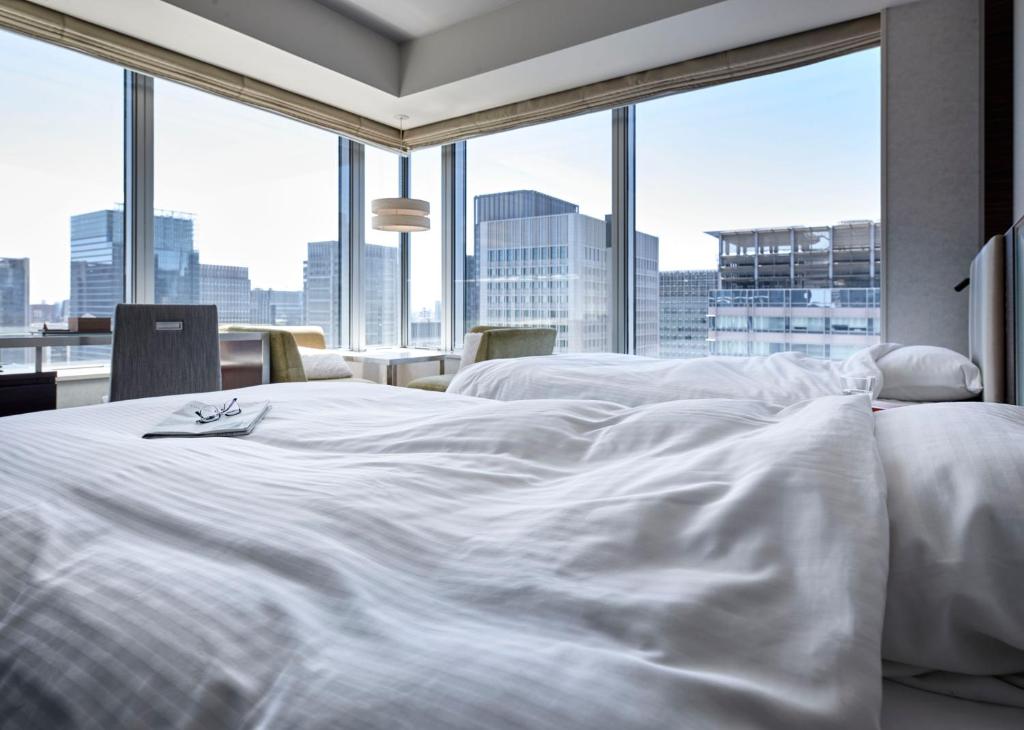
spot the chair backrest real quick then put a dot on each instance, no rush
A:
(164, 349)
(497, 342)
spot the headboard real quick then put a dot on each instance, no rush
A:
(987, 328)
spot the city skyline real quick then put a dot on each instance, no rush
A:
(544, 263)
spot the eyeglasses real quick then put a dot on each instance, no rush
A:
(209, 414)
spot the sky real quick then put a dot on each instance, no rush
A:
(800, 147)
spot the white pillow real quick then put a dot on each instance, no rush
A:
(926, 373)
(955, 596)
(323, 364)
(471, 348)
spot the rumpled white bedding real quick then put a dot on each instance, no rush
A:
(783, 378)
(380, 558)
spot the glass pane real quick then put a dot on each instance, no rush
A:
(723, 176)
(381, 287)
(540, 197)
(425, 254)
(61, 192)
(247, 212)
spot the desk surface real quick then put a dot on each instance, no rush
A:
(77, 339)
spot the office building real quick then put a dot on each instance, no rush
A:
(228, 287)
(97, 263)
(541, 262)
(273, 306)
(15, 313)
(683, 312)
(381, 295)
(647, 292)
(321, 288)
(812, 289)
(471, 292)
(322, 293)
(177, 262)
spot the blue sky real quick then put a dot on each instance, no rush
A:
(801, 147)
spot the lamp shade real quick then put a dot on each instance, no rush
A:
(405, 215)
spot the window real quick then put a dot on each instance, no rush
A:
(246, 212)
(538, 251)
(425, 253)
(61, 187)
(382, 294)
(765, 197)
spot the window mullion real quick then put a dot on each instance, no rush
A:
(453, 244)
(623, 230)
(139, 253)
(404, 264)
(352, 240)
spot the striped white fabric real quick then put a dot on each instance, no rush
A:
(381, 558)
(783, 378)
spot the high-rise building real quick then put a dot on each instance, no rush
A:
(228, 287)
(471, 292)
(809, 289)
(15, 313)
(97, 263)
(97, 271)
(322, 274)
(271, 306)
(683, 316)
(647, 292)
(177, 262)
(321, 288)
(381, 294)
(541, 262)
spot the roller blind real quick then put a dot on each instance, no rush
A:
(754, 60)
(64, 30)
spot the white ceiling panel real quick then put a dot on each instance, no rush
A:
(404, 20)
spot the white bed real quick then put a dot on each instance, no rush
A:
(376, 557)
(900, 373)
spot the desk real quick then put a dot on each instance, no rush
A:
(392, 358)
(240, 352)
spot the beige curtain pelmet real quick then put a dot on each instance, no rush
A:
(63, 30)
(742, 63)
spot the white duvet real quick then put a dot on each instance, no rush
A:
(783, 378)
(380, 558)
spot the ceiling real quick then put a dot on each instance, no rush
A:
(436, 59)
(404, 20)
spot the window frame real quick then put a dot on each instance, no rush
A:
(454, 221)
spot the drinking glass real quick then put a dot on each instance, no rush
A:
(857, 384)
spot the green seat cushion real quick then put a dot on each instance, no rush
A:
(437, 383)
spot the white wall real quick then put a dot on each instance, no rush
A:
(932, 182)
